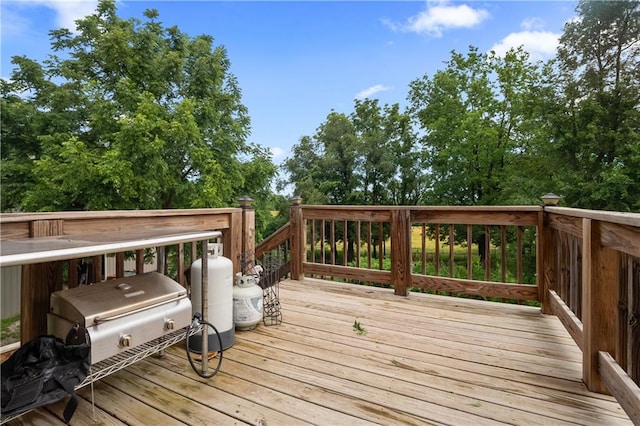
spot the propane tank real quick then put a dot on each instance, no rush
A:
(247, 302)
(219, 296)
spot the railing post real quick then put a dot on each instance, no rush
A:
(599, 303)
(38, 282)
(297, 238)
(232, 240)
(248, 231)
(545, 262)
(401, 261)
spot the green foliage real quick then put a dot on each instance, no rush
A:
(473, 117)
(368, 157)
(495, 130)
(277, 204)
(10, 329)
(595, 141)
(127, 114)
(358, 328)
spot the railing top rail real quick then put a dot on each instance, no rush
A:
(109, 214)
(425, 208)
(273, 240)
(621, 218)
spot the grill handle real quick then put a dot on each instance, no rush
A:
(98, 320)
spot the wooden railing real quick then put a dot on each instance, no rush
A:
(591, 282)
(481, 252)
(581, 265)
(274, 255)
(40, 280)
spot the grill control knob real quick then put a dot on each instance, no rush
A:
(169, 324)
(125, 340)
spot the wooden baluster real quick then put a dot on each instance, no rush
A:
(181, 267)
(437, 252)
(469, 252)
(381, 246)
(73, 273)
(452, 243)
(519, 255)
(503, 253)
(423, 238)
(358, 244)
(345, 244)
(140, 261)
(487, 253)
(119, 265)
(369, 245)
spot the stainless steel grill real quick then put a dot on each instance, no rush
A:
(121, 314)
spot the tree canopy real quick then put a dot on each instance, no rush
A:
(595, 132)
(368, 157)
(490, 129)
(127, 114)
(130, 114)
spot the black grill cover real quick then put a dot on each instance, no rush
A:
(43, 371)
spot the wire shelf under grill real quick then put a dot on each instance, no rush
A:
(127, 358)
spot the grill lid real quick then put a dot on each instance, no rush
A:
(89, 304)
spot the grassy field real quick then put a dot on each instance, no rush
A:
(416, 243)
(10, 330)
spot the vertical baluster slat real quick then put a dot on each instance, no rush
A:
(436, 259)
(503, 253)
(452, 243)
(487, 253)
(469, 252)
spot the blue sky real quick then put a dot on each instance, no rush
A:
(297, 61)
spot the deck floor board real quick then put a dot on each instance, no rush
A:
(424, 360)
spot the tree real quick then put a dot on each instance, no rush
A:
(304, 171)
(410, 179)
(595, 137)
(375, 167)
(390, 169)
(340, 162)
(471, 117)
(127, 114)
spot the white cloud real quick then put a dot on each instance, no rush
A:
(441, 16)
(66, 11)
(276, 151)
(70, 11)
(371, 91)
(532, 24)
(541, 45)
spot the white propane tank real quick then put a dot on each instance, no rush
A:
(219, 296)
(247, 302)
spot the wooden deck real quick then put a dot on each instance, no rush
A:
(424, 360)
